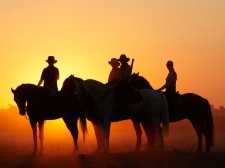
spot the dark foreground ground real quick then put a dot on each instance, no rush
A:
(166, 159)
(16, 144)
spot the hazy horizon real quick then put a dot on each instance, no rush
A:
(15, 131)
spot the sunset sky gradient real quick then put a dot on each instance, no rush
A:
(84, 35)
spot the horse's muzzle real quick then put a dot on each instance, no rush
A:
(22, 110)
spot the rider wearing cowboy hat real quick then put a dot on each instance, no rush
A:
(114, 72)
(50, 75)
(123, 82)
(124, 74)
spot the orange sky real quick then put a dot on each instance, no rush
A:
(85, 35)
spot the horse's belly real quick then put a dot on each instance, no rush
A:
(135, 110)
(45, 115)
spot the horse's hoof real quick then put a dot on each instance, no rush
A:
(207, 150)
(137, 150)
(75, 152)
(41, 154)
(33, 154)
(106, 152)
(97, 151)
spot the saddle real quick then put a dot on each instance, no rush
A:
(128, 95)
(174, 100)
(51, 105)
(177, 101)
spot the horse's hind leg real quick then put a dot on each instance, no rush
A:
(98, 136)
(138, 132)
(208, 139)
(105, 133)
(71, 124)
(41, 137)
(151, 135)
(159, 138)
(198, 128)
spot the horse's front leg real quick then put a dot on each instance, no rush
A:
(41, 137)
(138, 132)
(34, 130)
(71, 124)
(107, 135)
(150, 132)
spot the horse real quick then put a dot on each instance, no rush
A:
(102, 108)
(186, 106)
(40, 105)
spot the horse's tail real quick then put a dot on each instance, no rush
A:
(209, 124)
(165, 115)
(83, 124)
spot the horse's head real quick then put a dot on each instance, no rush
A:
(20, 100)
(71, 84)
(75, 85)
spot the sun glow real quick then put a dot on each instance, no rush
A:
(84, 35)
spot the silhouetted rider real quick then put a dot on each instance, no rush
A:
(114, 72)
(170, 84)
(123, 82)
(171, 79)
(124, 73)
(50, 76)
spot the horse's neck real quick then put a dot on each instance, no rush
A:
(143, 83)
(96, 89)
(35, 93)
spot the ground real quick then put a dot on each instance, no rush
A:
(166, 159)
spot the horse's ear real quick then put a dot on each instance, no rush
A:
(138, 73)
(13, 91)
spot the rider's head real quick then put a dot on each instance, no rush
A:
(169, 64)
(114, 62)
(123, 59)
(51, 60)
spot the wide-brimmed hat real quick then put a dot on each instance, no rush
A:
(113, 61)
(124, 58)
(51, 59)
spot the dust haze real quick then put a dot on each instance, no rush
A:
(16, 136)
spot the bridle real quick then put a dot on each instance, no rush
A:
(22, 106)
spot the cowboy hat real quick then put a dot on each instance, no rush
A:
(124, 58)
(51, 59)
(113, 61)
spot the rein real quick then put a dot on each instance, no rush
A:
(26, 116)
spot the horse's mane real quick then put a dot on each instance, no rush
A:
(68, 84)
(140, 82)
(90, 84)
(28, 86)
(30, 89)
